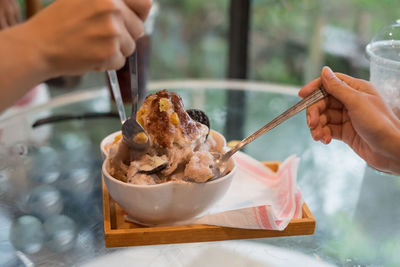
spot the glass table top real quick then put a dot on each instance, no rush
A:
(50, 185)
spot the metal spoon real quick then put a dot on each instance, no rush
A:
(220, 167)
(133, 133)
(112, 76)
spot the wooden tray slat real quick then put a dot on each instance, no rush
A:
(119, 233)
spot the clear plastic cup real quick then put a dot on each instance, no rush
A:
(384, 55)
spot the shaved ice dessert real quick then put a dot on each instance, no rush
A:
(180, 147)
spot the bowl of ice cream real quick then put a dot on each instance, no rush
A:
(167, 202)
(179, 190)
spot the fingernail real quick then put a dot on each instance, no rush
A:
(308, 121)
(328, 73)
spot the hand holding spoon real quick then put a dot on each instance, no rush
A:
(220, 159)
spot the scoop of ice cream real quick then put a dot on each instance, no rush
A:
(143, 179)
(198, 168)
(119, 160)
(167, 123)
(183, 163)
(175, 139)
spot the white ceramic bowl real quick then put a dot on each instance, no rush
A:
(167, 202)
(107, 140)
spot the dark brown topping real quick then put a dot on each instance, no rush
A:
(163, 93)
(188, 126)
(199, 116)
(158, 123)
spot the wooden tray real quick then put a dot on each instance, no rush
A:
(120, 233)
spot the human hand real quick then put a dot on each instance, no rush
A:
(356, 114)
(75, 36)
(9, 13)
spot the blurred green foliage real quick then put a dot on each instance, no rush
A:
(190, 37)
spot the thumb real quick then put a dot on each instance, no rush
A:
(336, 87)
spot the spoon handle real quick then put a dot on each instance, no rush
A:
(112, 75)
(132, 61)
(299, 106)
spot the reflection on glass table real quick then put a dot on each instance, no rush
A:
(50, 186)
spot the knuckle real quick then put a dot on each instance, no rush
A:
(368, 84)
(111, 27)
(117, 62)
(139, 31)
(147, 5)
(109, 51)
(318, 133)
(313, 135)
(335, 81)
(120, 62)
(140, 6)
(128, 49)
(341, 82)
(106, 5)
(113, 49)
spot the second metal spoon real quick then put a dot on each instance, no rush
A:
(219, 166)
(133, 133)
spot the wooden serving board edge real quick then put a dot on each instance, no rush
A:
(193, 233)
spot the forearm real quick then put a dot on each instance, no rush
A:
(22, 65)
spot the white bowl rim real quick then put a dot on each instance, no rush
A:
(105, 172)
(103, 142)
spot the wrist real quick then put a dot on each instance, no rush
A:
(23, 66)
(35, 47)
(389, 154)
(392, 147)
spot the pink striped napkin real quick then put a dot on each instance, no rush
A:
(258, 197)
